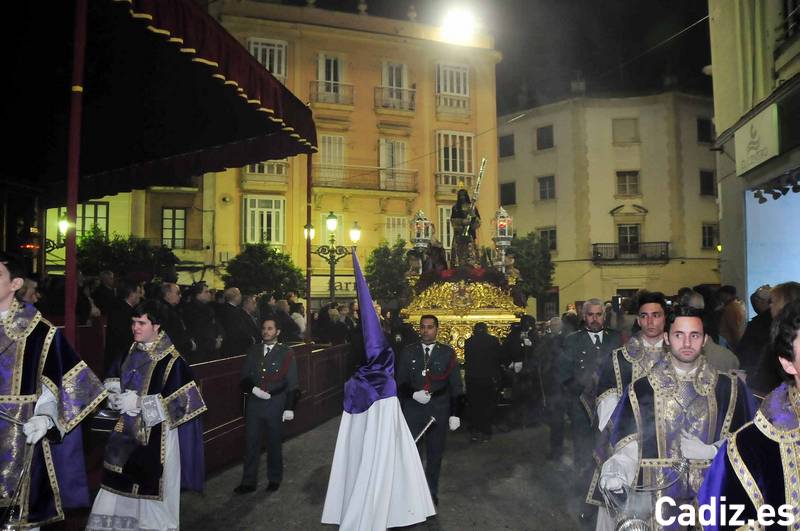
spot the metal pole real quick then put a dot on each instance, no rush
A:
(308, 247)
(332, 262)
(73, 166)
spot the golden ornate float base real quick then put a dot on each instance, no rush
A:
(459, 305)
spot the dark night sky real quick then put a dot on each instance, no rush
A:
(544, 42)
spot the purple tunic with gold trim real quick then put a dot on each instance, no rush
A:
(134, 457)
(760, 463)
(34, 356)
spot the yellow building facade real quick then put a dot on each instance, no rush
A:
(755, 67)
(403, 119)
(623, 189)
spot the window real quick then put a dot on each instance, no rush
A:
(452, 87)
(270, 167)
(710, 238)
(628, 183)
(395, 79)
(506, 145)
(445, 229)
(628, 239)
(549, 235)
(396, 228)
(454, 157)
(705, 130)
(173, 227)
(392, 157)
(88, 215)
(271, 54)
(544, 137)
(708, 183)
(331, 158)
(508, 194)
(547, 187)
(264, 219)
(329, 86)
(625, 130)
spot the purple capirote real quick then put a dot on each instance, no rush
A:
(374, 380)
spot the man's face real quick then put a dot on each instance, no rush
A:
(249, 305)
(428, 330)
(107, 279)
(686, 339)
(593, 315)
(8, 286)
(269, 332)
(793, 367)
(173, 295)
(652, 320)
(344, 311)
(204, 295)
(143, 330)
(283, 306)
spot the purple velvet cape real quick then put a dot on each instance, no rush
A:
(190, 433)
(374, 380)
(762, 458)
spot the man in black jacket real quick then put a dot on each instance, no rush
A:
(201, 322)
(118, 327)
(240, 331)
(269, 379)
(429, 385)
(173, 324)
(519, 350)
(482, 371)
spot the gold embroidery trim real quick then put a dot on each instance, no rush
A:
(745, 477)
(726, 423)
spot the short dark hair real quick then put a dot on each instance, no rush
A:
(127, 286)
(784, 331)
(432, 317)
(273, 319)
(651, 297)
(480, 328)
(153, 309)
(15, 266)
(684, 311)
(727, 289)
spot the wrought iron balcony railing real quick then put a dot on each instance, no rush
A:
(631, 252)
(365, 178)
(332, 92)
(398, 99)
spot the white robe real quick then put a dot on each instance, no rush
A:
(117, 512)
(377, 480)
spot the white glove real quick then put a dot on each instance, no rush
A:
(128, 403)
(455, 423)
(36, 428)
(287, 415)
(423, 397)
(263, 395)
(611, 483)
(113, 401)
(527, 342)
(693, 448)
(517, 366)
(619, 469)
(112, 386)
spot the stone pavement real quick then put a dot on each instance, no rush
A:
(505, 483)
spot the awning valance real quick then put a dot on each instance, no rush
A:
(168, 94)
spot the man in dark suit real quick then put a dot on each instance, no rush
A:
(173, 324)
(240, 331)
(429, 385)
(104, 295)
(269, 379)
(118, 327)
(584, 352)
(482, 371)
(201, 323)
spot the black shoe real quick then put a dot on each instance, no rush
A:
(435, 499)
(273, 486)
(244, 489)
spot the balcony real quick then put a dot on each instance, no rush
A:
(452, 104)
(332, 92)
(270, 171)
(787, 44)
(630, 252)
(449, 183)
(186, 244)
(365, 178)
(395, 99)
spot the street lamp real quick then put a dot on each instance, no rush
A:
(503, 234)
(331, 252)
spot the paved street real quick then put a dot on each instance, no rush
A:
(504, 484)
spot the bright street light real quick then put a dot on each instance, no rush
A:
(331, 222)
(459, 25)
(355, 233)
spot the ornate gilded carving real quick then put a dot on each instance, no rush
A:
(459, 305)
